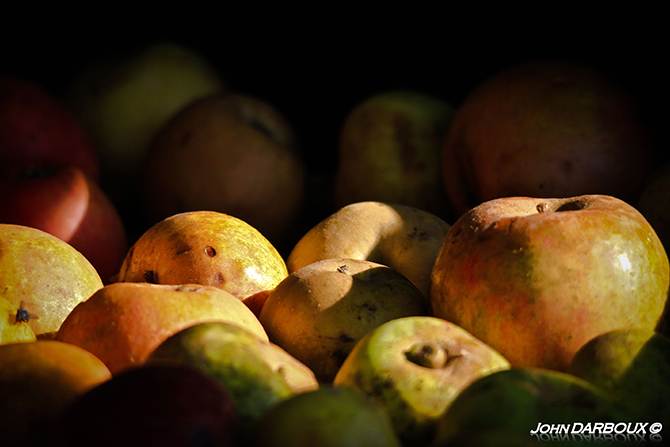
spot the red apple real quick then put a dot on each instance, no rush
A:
(37, 130)
(537, 278)
(65, 203)
(546, 128)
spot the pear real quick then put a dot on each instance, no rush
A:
(231, 355)
(633, 366)
(326, 417)
(414, 367)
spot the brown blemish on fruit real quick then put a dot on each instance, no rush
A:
(220, 278)
(343, 269)
(211, 252)
(151, 277)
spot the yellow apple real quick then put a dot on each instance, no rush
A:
(537, 278)
(43, 275)
(390, 149)
(232, 153)
(122, 323)
(414, 367)
(319, 312)
(404, 238)
(208, 248)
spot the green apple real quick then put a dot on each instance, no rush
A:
(537, 278)
(123, 99)
(414, 367)
(318, 313)
(546, 128)
(527, 401)
(390, 149)
(633, 366)
(327, 417)
(230, 354)
(232, 153)
(404, 238)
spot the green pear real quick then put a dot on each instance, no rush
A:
(390, 149)
(231, 355)
(123, 99)
(414, 367)
(633, 366)
(527, 401)
(326, 417)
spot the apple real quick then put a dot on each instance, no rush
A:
(537, 278)
(122, 323)
(155, 405)
(123, 99)
(208, 248)
(232, 153)
(39, 132)
(38, 381)
(390, 150)
(404, 238)
(414, 367)
(631, 365)
(43, 275)
(232, 356)
(319, 312)
(67, 204)
(546, 128)
(14, 327)
(524, 401)
(326, 417)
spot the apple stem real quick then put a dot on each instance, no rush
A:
(426, 355)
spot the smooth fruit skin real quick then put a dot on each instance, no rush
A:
(38, 381)
(232, 153)
(231, 355)
(632, 366)
(37, 130)
(44, 273)
(414, 367)
(122, 323)
(404, 238)
(546, 128)
(389, 150)
(318, 313)
(208, 248)
(538, 278)
(155, 405)
(327, 417)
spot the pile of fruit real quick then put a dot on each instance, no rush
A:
(488, 273)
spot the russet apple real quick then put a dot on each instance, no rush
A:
(414, 367)
(66, 203)
(122, 323)
(39, 131)
(404, 238)
(319, 312)
(155, 405)
(232, 153)
(326, 417)
(44, 275)
(123, 99)
(537, 278)
(632, 366)
(389, 150)
(38, 381)
(233, 357)
(208, 248)
(546, 128)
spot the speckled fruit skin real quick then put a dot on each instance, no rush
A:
(208, 248)
(318, 313)
(546, 128)
(404, 238)
(538, 278)
(48, 275)
(123, 323)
